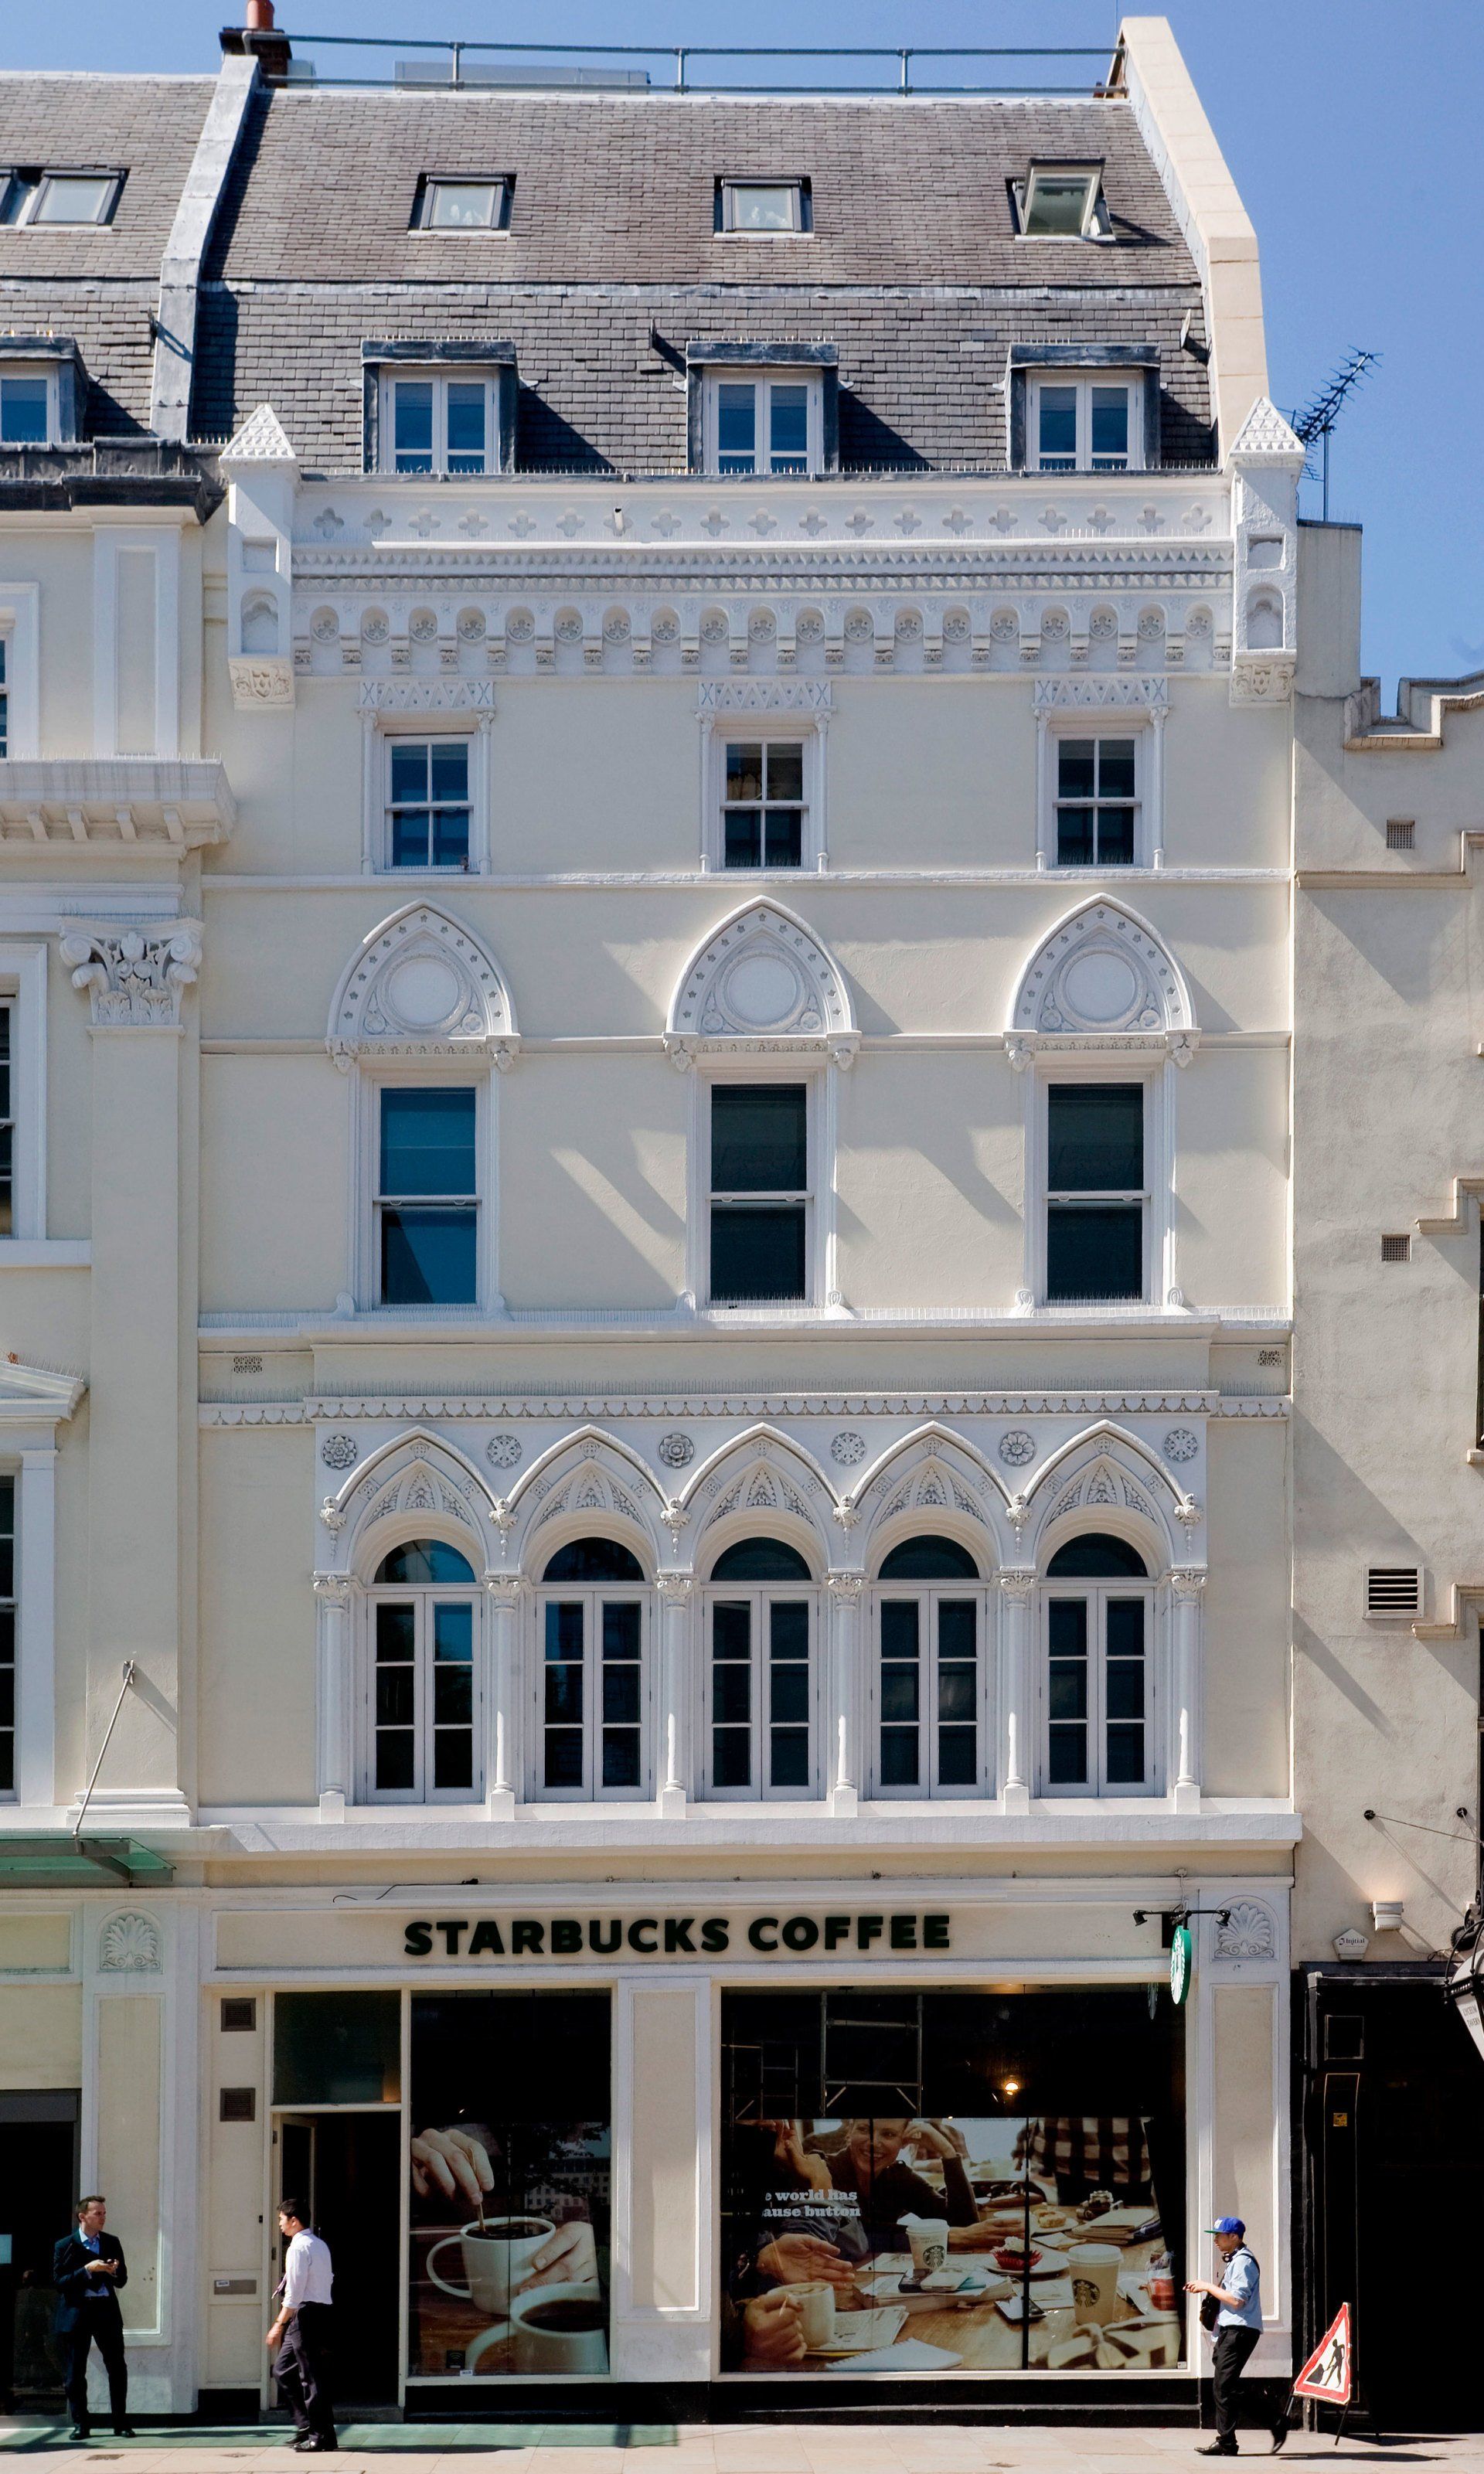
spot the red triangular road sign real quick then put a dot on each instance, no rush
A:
(1328, 2370)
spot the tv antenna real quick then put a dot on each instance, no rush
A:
(1325, 409)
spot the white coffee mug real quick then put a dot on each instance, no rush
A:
(1093, 2269)
(928, 2241)
(496, 2259)
(816, 2312)
(560, 2328)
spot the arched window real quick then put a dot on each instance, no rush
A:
(423, 1736)
(762, 1736)
(930, 1736)
(590, 1617)
(1099, 1738)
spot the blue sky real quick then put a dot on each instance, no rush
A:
(1352, 127)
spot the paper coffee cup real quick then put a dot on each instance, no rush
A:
(1093, 2269)
(928, 2239)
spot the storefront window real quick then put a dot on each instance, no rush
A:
(510, 2163)
(924, 2183)
(336, 2049)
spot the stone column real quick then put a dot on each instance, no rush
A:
(676, 1590)
(1017, 1613)
(506, 1592)
(1185, 1589)
(332, 1608)
(844, 1697)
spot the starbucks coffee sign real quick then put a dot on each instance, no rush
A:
(547, 1936)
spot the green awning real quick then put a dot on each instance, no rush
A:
(56, 1860)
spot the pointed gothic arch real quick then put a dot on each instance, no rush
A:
(761, 984)
(1108, 1478)
(761, 1481)
(414, 1484)
(1102, 979)
(932, 1479)
(588, 1481)
(422, 985)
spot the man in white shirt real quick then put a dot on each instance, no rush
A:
(301, 2332)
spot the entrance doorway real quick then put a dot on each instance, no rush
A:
(38, 2187)
(345, 2166)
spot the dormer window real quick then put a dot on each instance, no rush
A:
(762, 408)
(443, 408)
(763, 206)
(40, 197)
(452, 205)
(1084, 408)
(1062, 202)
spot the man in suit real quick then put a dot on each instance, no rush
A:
(88, 2269)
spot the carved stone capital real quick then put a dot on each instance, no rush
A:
(1017, 1583)
(134, 977)
(675, 1588)
(332, 1589)
(505, 1588)
(845, 1587)
(1187, 1585)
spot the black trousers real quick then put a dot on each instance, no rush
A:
(302, 2371)
(1234, 2347)
(96, 2325)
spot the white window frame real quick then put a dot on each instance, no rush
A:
(1096, 223)
(758, 1594)
(20, 607)
(722, 730)
(424, 738)
(592, 1594)
(1132, 384)
(440, 378)
(47, 372)
(366, 1172)
(729, 229)
(1157, 1076)
(433, 182)
(23, 988)
(765, 377)
(374, 1593)
(437, 721)
(819, 1199)
(31, 215)
(928, 1592)
(1097, 1594)
(1095, 725)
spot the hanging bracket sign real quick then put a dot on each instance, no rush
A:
(1182, 1960)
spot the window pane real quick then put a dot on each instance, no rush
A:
(757, 1253)
(899, 1628)
(563, 1629)
(785, 846)
(1075, 768)
(466, 426)
(730, 1630)
(788, 1757)
(1110, 429)
(1066, 1763)
(1116, 836)
(1056, 437)
(396, 1696)
(453, 1758)
(1075, 843)
(759, 1138)
(563, 1756)
(395, 1769)
(620, 1757)
(900, 1693)
(899, 1757)
(1095, 1137)
(427, 1142)
(1126, 1756)
(464, 206)
(958, 1756)
(787, 1630)
(620, 1696)
(1115, 768)
(765, 208)
(788, 429)
(413, 424)
(1094, 1250)
(71, 200)
(735, 428)
(620, 1629)
(956, 1692)
(957, 1629)
(563, 1698)
(1126, 1628)
(744, 837)
(785, 769)
(336, 2048)
(731, 1756)
(743, 771)
(789, 1696)
(448, 766)
(429, 1256)
(411, 846)
(450, 836)
(22, 412)
(422, 1561)
(1057, 204)
(410, 772)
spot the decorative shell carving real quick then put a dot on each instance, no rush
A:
(1247, 1934)
(131, 1945)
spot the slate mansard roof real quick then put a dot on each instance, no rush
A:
(611, 264)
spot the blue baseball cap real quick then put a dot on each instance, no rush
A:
(1228, 2225)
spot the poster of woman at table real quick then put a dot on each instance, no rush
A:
(509, 2165)
(929, 2238)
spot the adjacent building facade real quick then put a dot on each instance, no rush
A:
(646, 957)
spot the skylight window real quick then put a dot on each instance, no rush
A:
(38, 197)
(763, 205)
(462, 205)
(1062, 202)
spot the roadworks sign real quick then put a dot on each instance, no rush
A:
(1330, 2369)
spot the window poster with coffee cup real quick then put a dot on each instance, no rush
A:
(893, 2204)
(511, 2159)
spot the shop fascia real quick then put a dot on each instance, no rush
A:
(694, 1936)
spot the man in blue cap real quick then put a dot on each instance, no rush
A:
(1237, 2326)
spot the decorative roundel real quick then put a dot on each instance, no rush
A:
(1017, 1448)
(848, 1448)
(340, 1451)
(503, 1452)
(676, 1451)
(1180, 1444)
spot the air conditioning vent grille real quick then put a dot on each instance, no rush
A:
(1394, 1590)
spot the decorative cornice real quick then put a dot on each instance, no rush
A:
(37, 1396)
(134, 977)
(129, 806)
(763, 696)
(381, 1407)
(1103, 691)
(426, 695)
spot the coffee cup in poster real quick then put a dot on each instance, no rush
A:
(1093, 2269)
(558, 2328)
(496, 2259)
(926, 2238)
(816, 2312)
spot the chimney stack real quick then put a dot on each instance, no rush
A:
(259, 36)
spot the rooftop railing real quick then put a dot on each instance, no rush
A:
(846, 69)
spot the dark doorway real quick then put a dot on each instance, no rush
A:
(38, 2187)
(346, 2165)
(1394, 2155)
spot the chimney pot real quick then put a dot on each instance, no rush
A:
(259, 17)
